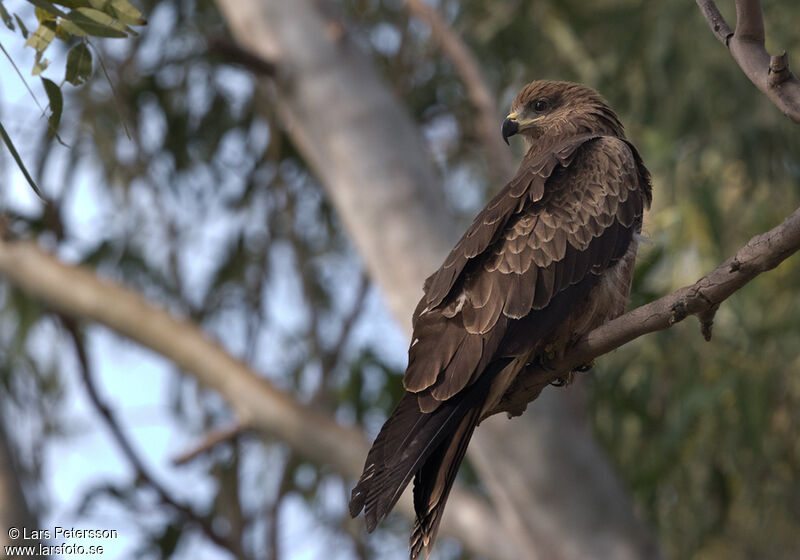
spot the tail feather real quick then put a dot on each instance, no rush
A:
(405, 442)
(434, 481)
(428, 445)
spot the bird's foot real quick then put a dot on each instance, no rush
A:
(565, 379)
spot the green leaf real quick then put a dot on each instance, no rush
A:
(56, 102)
(125, 12)
(41, 38)
(40, 64)
(72, 28)
(47, 7)
(92, 27)
(113, 92)
(99, 24)
(6, 17)
(43, 15)
(73, 4)
(79, 64)
(10, 145)
(22, 27)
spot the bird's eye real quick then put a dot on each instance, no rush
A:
(540, 105)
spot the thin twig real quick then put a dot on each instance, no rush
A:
(333, 357)
(126, 446)
(567, 42)
(210, 441)
(468, 69)
(235, 54)
(274, 509)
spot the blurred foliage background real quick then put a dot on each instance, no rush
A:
(206, 208)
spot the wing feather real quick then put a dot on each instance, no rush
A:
(514, 260)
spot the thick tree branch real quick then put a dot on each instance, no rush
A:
(468, 69)
(76, 292)
(770, 74)
(762, 253)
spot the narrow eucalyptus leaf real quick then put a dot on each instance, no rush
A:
(48, 7)
(15, 154)
(96, 28)
(6, 17)
(73, 28)
(74, 4)
(22, 27)
(56, 102)
(79, 64)
(127, 13)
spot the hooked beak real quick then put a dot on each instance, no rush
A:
(514, 124)
(510, 127)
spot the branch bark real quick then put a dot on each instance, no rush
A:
(770, 74)
(76, 292)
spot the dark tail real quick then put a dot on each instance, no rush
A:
(433, 483)
(428, 445)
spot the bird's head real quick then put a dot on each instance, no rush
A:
(547, 109)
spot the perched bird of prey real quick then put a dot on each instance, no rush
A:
(546, 261)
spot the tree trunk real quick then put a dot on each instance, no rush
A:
(553, 486)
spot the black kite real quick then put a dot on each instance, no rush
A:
(548, 259)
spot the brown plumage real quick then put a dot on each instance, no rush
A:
(548, 259)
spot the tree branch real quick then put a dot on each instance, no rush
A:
(719, 26)
(749, 20)
(76, 292)
(211, 440)
(499, 158)
(235, 54)
(139, 468)
(762, 253)
(770, 74)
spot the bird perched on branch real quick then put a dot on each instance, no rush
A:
(546, 261)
